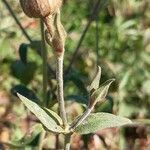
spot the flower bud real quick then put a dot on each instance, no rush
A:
(40, 8)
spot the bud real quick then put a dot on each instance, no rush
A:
(40, 8)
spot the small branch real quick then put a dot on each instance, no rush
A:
(17, 21)
(67, 141)
(57, 141)
(44, 57)
(81, 119)
(97, 39)
(42, 136)
(60, 94)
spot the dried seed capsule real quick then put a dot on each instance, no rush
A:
(40, 8)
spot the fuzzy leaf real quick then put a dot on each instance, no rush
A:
(96, 80)
(45, 119)
(24, 91)
(98, 121)
(101, 92)
(54, 116)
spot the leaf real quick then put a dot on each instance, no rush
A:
(23, 52)
(101, 92)
(23, 72)
(54, 116)
(98, 121)
(45, 119)
(96, 80)
(23, 90)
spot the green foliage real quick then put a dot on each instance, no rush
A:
(45, 119)
(23, 52)
(96, 81)
(54, 116)
(23, 90)
(24, 72)
(98, 121)
(100, 93)
(122, 51)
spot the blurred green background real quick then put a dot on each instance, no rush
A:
(117, 39)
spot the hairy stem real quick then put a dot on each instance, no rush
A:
(60, 93)
(57, 141)
(44, 58)
(42, 136)
(81, 118)
(67, 141)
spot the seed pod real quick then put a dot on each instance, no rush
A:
(40, 8)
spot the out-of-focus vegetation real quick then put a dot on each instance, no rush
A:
(118, 40)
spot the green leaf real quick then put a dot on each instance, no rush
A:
(54, 116)
(23, 52)
(23, 90)
(96, 80)
(101, 92)
(45, 119)
(98, 121)
(23, 72)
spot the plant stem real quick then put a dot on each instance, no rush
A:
(44, 58)
(81, 118)
(60, 94)
(57, 141)
(42, 136)
(97, 38)
(67, 141)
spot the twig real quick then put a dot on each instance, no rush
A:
(81, 119)
(97, 39)
(57, 141)
(44, 57)
(60, 94)
(94, 13)
(67, 141)
(42, 136)
(17, 21)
